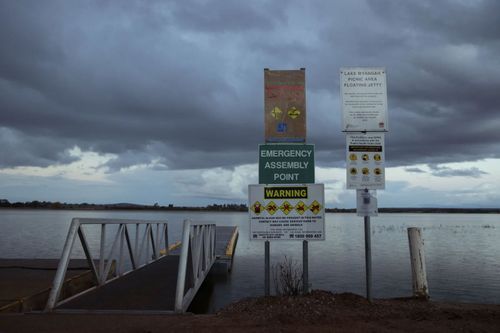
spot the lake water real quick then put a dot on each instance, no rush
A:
(462, 252)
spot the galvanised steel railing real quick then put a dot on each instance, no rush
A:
(197, 257)
(146, 249)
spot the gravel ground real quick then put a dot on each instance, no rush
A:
(320, 311)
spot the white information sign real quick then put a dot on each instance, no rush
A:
(366, 203)
(365, 161)
(287, 212)
(363, 92)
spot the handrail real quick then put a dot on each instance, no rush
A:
(139, 254)
(196, 259)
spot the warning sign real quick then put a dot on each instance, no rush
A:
(291, 212)
(285, 105)
(365, 161)
(363, 91)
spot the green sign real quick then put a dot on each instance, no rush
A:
(286, 164)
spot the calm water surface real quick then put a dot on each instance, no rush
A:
(462, 252)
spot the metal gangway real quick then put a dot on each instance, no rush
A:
(136, 275)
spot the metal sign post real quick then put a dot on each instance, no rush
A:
(363, 92)
(367, 206)
(267, 269)
(287, 204)
(368, 259)
(305, 267)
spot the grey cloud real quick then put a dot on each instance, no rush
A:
(414, 170)
(440, 171)
(458, 21)
(231, 16)
(18, 149)
(180, 83)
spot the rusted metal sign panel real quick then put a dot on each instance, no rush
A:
(285, 105)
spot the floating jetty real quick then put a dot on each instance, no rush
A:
(164, 282)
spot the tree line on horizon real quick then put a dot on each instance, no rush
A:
(35, 204)
(4, 203)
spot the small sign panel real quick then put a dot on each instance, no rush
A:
(287, 212)
(365, 161)
(363, 91)
(285, 105)
(286, 164)
(366, 203)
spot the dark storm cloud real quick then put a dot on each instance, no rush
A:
(455, 21)
(113, 84)
(444, 171)
(179, 84)
(443, 92)
(231, 16)
(440, 171)
(21, 150)
(414, 170)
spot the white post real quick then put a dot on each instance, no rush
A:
(181, 274)
(57, 285)
(102, 277)
(417, 258)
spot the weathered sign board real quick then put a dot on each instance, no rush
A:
(287, 212)
(286, 164)
(363, 93)
(365, 161)
(285, 105)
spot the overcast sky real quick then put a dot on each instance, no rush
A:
(162, 101)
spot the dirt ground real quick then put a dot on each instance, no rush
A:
(320, 311)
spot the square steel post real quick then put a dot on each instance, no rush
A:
(368, 258)
(267, 269)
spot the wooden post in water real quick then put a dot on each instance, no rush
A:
(417, 258)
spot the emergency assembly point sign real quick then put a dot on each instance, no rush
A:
(287, 212)
(286, 164)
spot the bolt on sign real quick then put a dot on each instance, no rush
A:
(365, 161)
(286, 164)
(363, 93)
(287, 212)
(285, 105)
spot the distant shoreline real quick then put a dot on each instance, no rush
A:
(45, 205)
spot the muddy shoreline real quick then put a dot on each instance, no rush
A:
(320, 311)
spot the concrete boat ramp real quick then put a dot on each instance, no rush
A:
(139, 272)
